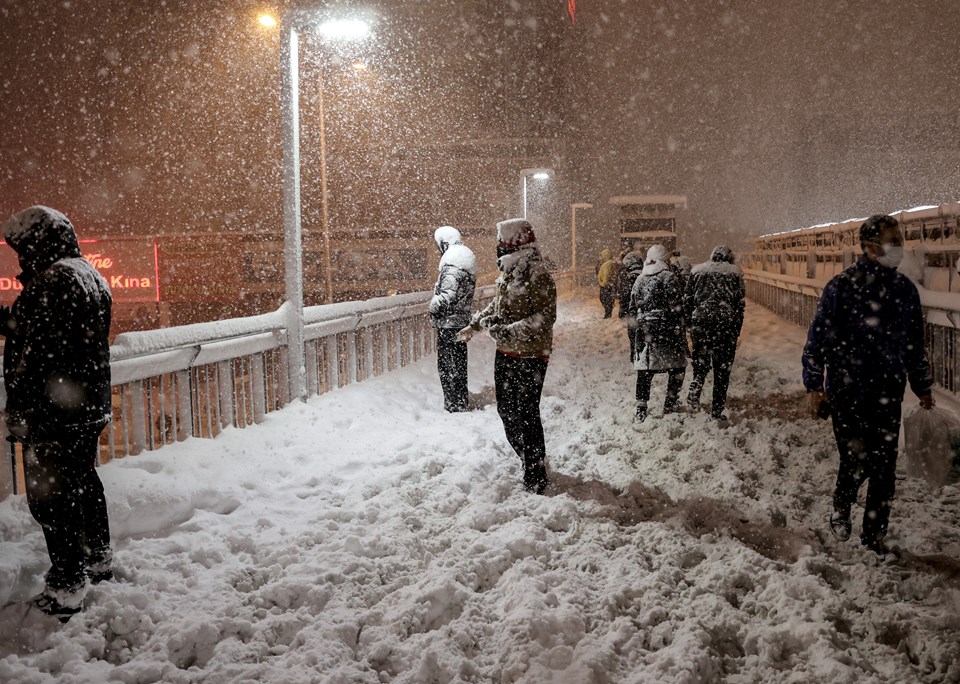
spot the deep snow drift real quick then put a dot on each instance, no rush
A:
(368, 536)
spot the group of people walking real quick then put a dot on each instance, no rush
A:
(662, 304)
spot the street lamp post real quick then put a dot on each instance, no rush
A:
(536, 174)
(573, 232)
(291, 25)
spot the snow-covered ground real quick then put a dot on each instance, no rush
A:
(367, 536)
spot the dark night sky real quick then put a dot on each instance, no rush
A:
(163, 116)
(771, 115)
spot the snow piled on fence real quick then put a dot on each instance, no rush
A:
(367, 536)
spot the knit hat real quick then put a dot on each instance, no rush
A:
(515, 233)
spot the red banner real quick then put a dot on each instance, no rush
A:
(128, 265)
(572, 9)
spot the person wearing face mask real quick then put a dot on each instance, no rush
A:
(520, 318)
(864, 345)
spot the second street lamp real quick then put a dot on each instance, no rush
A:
(535, 173)
(573, 232)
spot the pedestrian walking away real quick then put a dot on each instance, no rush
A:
(56, 367)
(607, 279)
(450, 310)
(714, 303)
(661, 344)
(631, 270)
(682, 266)
(863, 346)
(520, 318)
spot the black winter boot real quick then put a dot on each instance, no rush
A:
(641, 414)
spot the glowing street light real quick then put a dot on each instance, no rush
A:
(535, 173)
(344, 29)
(267, 20)
(573, 232)
(332, 29)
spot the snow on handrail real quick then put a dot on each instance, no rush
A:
(929, 299)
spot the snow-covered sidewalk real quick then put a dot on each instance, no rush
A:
(367, 536)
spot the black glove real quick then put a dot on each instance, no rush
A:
(17, 427)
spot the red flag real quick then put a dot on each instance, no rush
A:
(572, 9)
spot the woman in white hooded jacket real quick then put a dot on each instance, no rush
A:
(450, 310)
(660, 345)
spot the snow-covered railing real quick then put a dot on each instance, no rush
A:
(195, 380)
(795, 299)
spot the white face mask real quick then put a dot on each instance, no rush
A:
(891, 257)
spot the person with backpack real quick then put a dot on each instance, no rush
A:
(713, 304)
(661, 344)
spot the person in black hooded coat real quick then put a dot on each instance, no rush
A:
(56, 368)
(631, 270)
(714, 302)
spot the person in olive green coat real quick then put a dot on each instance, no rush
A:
(520, 318)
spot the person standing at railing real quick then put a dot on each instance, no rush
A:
(56, 366)
(520, 318)
(450, 310)
(713, 304)
(867, 339)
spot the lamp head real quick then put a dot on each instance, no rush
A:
(537, 173)
(344, 30)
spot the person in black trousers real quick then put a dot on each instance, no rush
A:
(56, 367)
(520, 318)
(867, 339)
(714, 303)
(660, 345)
(450, 311)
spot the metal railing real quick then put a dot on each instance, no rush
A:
(795, 299)
(197, 380)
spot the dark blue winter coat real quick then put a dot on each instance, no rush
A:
(867, 335)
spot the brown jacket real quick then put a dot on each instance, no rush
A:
(524, 308)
